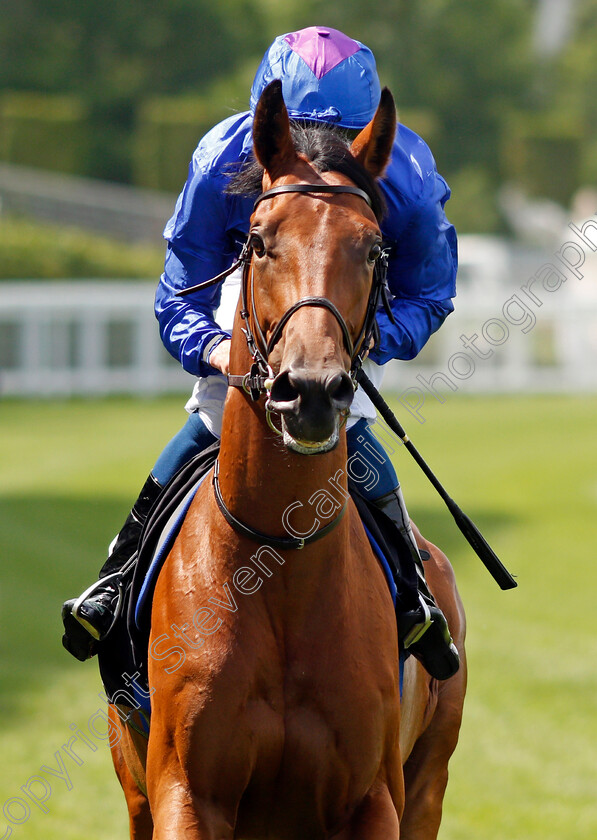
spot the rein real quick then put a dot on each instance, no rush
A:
(260, 377)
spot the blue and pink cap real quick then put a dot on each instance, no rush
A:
(326, 76)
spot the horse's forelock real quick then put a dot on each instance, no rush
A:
(327, 150)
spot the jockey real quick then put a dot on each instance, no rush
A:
(326, 77)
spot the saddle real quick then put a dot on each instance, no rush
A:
(123, 654)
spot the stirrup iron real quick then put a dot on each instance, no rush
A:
(118, 578)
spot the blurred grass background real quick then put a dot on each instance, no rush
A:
(525, 470)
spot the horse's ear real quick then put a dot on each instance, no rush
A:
(272, 140)
(373, 146)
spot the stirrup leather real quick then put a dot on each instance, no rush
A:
(418, 630)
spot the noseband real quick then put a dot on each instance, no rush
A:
(260, 376)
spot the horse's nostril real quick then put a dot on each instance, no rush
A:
(283, 390)
(340, 390)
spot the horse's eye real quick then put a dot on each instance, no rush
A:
(375, 252)
(257, 245)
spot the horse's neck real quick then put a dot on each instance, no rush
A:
(260, 478)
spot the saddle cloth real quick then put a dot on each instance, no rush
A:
(124, 653)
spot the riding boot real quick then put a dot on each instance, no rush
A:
(422, 626)
(90, 617)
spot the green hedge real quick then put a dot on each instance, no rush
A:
(34, 251)
(542, 152)
(166, 134)
(44, 130)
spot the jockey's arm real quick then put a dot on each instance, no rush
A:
(200, 246)
(219, 358)
(187, 327)
(423, 262)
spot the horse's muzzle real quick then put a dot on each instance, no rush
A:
(311, 405)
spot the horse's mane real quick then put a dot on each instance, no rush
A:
(327, 149)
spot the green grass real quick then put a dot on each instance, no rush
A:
(525, 470)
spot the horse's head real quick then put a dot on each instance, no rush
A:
(312, 263)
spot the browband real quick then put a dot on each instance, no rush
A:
(313, 188)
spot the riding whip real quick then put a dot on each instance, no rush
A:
(470, 531)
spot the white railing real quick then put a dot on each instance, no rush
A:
(93, 337)
(83, 337)
(554, 349)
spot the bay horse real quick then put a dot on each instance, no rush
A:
(274, 672)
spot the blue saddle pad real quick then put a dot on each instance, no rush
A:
(162, 549)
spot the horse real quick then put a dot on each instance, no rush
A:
(274, 657)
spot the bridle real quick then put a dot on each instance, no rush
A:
(260, 377)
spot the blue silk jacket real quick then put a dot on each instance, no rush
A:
(208, 228)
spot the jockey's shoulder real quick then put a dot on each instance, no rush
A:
(412, 170)
(226, 143)
(411, 179)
